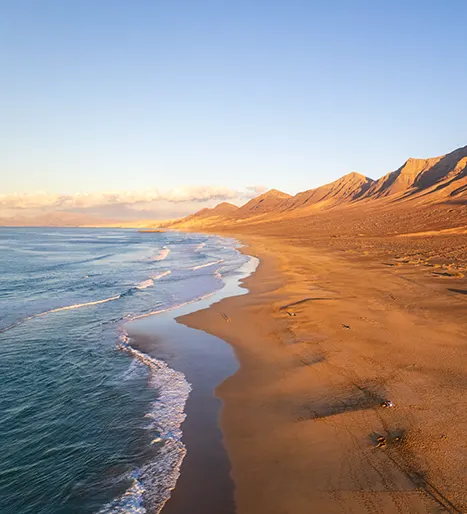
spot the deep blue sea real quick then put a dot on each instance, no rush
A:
(87, 423)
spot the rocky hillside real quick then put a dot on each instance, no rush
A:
(438, 181)
(268, 202)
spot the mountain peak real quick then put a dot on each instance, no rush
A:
(353, 176)
(348, 188)
(274, 193)
(218, 210)
(225, 205)
(433, 180)
(266, 202)
(416, 174)
(224, 208)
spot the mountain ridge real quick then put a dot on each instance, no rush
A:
(348, 187)
(264, 203)
(435, 180)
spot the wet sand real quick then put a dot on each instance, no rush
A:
(324, 339)
(205, 485)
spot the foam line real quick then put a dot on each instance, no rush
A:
(162, 254)
(58, 309)
(77, 306)
(160, 275)
(145, 283)
(206, 265)
(142, 285)
(167, 309)
(153, 483)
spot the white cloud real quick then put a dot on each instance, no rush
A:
(85, 200)
(153, 203)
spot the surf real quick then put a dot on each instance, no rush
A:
(59, 309)
(79, 341)
(142, 285)
(206, 265)
(162, 255)
(153, 482)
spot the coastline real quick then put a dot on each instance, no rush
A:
(323, 340)
(204, 485)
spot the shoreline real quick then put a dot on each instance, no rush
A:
(204, 485)
(323, 340)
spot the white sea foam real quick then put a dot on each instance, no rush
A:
(160, 275)
(162, 254)
(150, 281)
(208, 264)
(167, 309)
(136, 369)
(145, 283)
(78, 306)
(142, 285)
(154, 481)
(130, 502)
(59, 309)
(200, 247)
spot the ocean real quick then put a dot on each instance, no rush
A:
(89, 423)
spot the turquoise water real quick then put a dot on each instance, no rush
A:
(87, 423)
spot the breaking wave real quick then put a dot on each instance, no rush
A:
(142, 285)
(153, 482)
(149, 487)
(145, 283)
(160, 275)
(150, 281)
(58, 309)
(162, 254)
(208, 264)
(173, 307)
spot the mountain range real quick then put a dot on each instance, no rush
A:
(426, 186)
(417, 184)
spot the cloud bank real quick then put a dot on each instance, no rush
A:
(152, 203)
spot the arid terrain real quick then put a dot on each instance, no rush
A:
(416, 214)
(352, 344)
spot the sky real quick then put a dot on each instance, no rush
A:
(105, 96)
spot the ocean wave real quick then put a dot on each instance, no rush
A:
(60, 265)
(153, 482)
(173, 307)
(79, 305)
(142, 285)
(160, 275)
(135, 370)
(59, 309)
(162, 254)
(130, 502)
(206, 265)
(200, 247)
(150, 281)
(145, 284)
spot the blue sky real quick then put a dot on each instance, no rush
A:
(108, 95)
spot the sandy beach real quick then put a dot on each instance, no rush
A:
(205, 485)
(350, 395)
